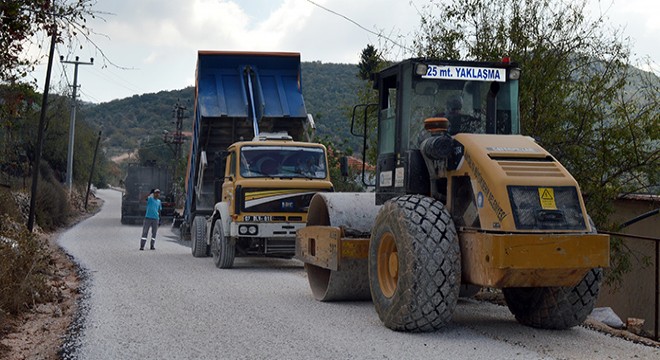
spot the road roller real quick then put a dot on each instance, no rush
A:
(462, 201)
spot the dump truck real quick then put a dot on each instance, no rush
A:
(251, 168)
(139, 181)
(462, 201)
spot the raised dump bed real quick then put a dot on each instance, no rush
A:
(235, 90)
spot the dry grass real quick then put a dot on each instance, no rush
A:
(52, 205)
(25, 257)
(24, 262)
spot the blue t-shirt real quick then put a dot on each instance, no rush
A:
(153, 208)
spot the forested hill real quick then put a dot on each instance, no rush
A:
(330, 91)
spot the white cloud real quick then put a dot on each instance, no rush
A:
(151, 58)
(159, 39)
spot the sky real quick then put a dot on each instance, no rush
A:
(151, 45)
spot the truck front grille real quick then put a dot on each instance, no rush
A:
(280, 247)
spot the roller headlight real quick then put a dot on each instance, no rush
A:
(421, 69)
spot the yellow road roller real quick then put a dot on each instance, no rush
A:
(462, 201)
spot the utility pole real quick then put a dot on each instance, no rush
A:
(176, 138)
(72, 123)
(91, 172)
(40, 134)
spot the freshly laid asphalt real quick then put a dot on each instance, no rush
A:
(166, 304)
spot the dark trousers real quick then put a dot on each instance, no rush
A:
(149, 223)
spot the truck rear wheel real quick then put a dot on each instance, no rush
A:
(555, 308)
(414, 264)
(197, 237)
(184, 232)
(222, 249)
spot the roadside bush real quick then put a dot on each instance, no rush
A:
(52, 208)
(8, 204)
(24, 260)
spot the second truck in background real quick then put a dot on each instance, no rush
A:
(140, 180)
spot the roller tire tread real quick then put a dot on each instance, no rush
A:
(429, 278)
(555, 308)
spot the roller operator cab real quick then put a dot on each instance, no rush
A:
(462, 201)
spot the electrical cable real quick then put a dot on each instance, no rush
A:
(360, 26)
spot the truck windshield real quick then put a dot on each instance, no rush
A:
(478, 107)
(282, 161)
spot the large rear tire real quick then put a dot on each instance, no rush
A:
(197, 237)
(222, 249)
(555, 308)
(414, 264)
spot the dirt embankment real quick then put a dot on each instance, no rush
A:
(40, 332)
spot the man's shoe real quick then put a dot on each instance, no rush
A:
(141, 248)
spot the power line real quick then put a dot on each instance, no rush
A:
(126, 84)
(89, 96)
(360, 26)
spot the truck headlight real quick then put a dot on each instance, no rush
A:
(252, 229)
(243, 229)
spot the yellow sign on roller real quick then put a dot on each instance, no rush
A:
(547, 198)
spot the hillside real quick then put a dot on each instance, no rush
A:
(329, 91)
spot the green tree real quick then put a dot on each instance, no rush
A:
(371, 62)
(335, 152)
(154, 151)
(576, 92)
(16, 105)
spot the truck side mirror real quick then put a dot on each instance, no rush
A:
(343, 166)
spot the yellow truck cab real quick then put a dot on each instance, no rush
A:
(266, 191)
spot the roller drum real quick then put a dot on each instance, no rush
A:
(355, 214)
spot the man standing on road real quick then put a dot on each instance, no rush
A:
(151, 219)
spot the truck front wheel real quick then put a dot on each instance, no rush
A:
(222, 248)
(414, 264)
(197, 237)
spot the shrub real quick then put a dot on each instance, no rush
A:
(24, 259)
(8, 204)
(52, 208)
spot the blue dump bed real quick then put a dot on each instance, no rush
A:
(223, 89)
(233, 91)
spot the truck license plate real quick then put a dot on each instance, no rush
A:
(259, 218)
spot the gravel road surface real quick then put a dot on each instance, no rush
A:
(165, 304)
